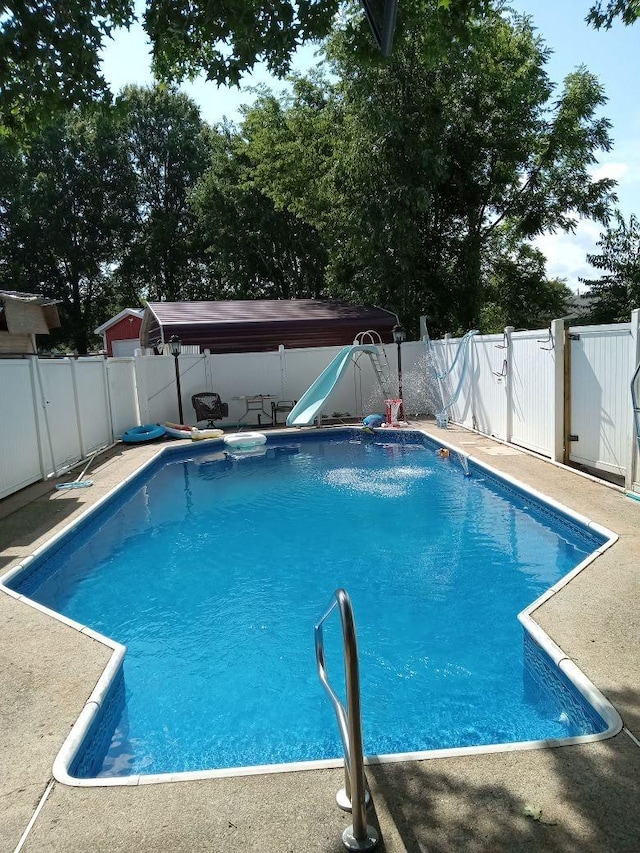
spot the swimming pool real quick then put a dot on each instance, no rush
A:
(213, 571)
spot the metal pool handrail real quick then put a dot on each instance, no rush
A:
(359, 836)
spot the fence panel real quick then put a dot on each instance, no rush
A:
(93, 404)
(601, 370)
(238, 375)
(532, 376)
(157, 389)
(60, 412)
(123, 401)
(19, 458)
(489, 385)
(453, 394)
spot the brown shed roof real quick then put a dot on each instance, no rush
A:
(261, 324)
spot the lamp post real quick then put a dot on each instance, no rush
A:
(175, 347)
(399, 335)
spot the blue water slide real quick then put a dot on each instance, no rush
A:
(310, 404)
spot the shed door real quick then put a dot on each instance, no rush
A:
(125, 348)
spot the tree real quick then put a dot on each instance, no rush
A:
(617, 293)
(517, 291)
(443, 145)
(67, 216)
(227, 40)
(604, 13)
(165, 142)
(49, 52)
(408, 170)
(256, 249)
(49, 56)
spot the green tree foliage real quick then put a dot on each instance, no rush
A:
(420, 159)
(392, 182)
(517, 291)
(165, 142)
(256, 250)
(67, 215)
(49, 51)
(618, 292)
(96, 209)
(49, 56)
(293, 146)
(226, 39)
(604, 12)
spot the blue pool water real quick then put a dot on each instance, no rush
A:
(213, 571)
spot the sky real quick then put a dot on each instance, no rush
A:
(612, 55)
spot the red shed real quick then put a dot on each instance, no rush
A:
(121, 334)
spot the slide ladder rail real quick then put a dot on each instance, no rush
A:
(383, 376)
(359, 836)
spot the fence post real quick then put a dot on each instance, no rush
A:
(633, 452)
(76, 404)
(508, 357)
(36, 415)
(107, 399)
(142, 394)
(284, 393)
(558, 401)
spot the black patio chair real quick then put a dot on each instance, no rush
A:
(209, 407)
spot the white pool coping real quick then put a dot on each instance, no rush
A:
(80, 728)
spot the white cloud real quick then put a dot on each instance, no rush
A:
(566, 254)
(617, 171)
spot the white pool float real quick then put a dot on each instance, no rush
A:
(240, 441)
(201, 434)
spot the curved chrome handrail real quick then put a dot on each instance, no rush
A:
(371, 336)
(360, 836)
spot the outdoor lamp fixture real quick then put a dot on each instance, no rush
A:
(175, 348)
(399, 335)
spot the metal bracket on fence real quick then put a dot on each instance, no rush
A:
(505, 368)
(505, 341)
(547, 340)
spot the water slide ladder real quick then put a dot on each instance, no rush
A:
(382, 375)
(354, 796)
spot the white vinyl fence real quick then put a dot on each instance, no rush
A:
(52, 413)
(565, 395)
(55, 412)
(603, 360)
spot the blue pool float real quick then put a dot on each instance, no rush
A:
(146, 432)
(374, 420)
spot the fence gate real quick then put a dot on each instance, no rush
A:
(599, 428)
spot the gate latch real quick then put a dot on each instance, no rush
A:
(573, 438)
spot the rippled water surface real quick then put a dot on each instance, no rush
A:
(214, 572)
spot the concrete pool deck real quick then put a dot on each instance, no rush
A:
(588, 794)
